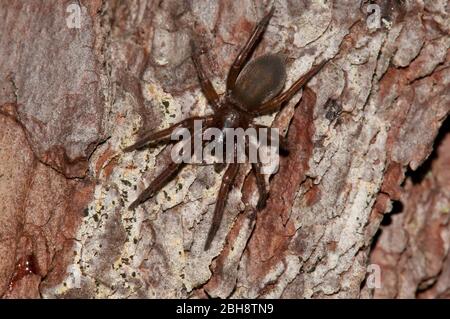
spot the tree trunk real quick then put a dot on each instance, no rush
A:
(358, 208)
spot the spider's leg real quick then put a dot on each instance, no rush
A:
(275, 103)
(164, 135)
(159, 182)
(205, 83)
(169, 172)
(227, 182)
(218, 167)
(261, 183)
(247, 50)
(256, 167)
(283, 143)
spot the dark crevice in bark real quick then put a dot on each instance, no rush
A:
(397, 208)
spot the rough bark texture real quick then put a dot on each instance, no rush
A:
(72, 98)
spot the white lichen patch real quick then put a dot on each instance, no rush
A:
(168, 106)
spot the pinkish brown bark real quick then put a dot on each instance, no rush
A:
(72, 98)
(412, 247)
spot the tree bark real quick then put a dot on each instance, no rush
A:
(359, 208)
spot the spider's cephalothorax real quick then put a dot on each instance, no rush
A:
(252, 90)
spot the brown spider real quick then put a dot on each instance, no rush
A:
(253, 92)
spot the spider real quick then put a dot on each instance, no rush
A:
(252, 89)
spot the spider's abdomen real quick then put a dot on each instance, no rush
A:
(260, 80)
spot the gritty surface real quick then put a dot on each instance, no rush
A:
(413, 245)
(72, 99)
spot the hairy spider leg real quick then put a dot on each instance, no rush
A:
(159, 182)
(173, 168)
(205, 83)
(275, 103)
(261, 183)
(227, 182)
(247, 50)
(152, 137)
(282, 141)
(260, 180)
